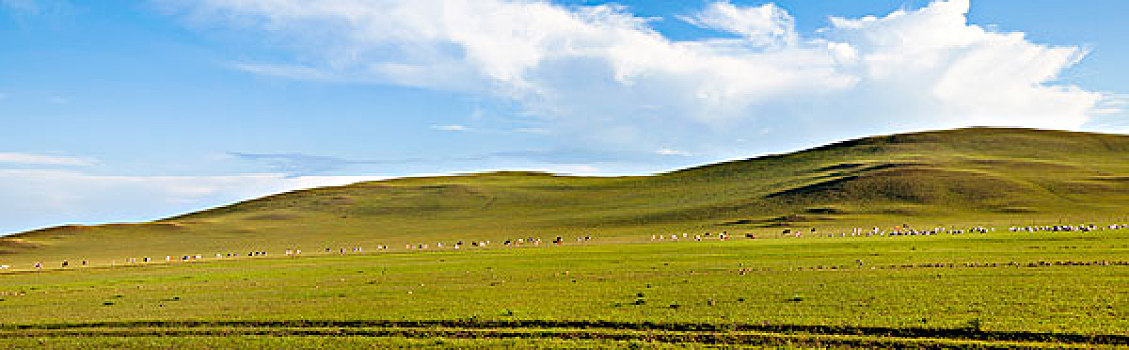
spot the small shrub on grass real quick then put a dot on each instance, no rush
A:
(975, 325)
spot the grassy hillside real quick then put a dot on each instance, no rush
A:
(956, 177)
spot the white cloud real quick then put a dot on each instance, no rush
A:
(597, 75)
(577, 169)
(39, 198)
(763, 25)
(450, 127)
(539, 131)
(40, 159)
(287, 71)
(672, 152)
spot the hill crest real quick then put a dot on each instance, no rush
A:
(1005, 175)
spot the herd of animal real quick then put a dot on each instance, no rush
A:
(902, 230)
(897, 231)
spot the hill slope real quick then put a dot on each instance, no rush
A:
(954, 177)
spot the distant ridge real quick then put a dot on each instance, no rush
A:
(991, 175)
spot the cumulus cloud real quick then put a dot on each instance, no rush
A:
(38, 198)
(40, 159)
(599, 75)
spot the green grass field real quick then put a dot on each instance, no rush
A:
(803, 292)
(621, 289)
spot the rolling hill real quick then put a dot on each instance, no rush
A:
(992, 176)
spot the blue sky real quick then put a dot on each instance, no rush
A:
(132, 110)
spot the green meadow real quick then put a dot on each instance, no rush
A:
(621, 288)
(788, 291)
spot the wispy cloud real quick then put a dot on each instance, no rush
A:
(451, 127)
(539, 131)
(23, 6)
(42, 159)
(764, 25)
(25, 12)
(39, 198)
(299, 164)
(288, 71)
(672, 152)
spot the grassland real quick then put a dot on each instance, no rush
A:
(997, 289)
(803, 292)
